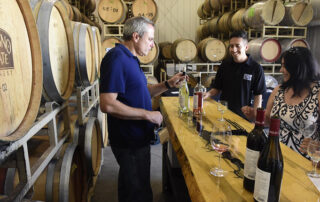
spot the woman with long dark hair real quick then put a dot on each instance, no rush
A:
(296, 101)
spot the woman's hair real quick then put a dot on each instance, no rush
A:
(303, 69)
(136, 24)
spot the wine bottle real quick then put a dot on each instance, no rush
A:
(184, 96)
(198, 92)
(255, 142)
(269, 171)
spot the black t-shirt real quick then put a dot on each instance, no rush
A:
(239, 83)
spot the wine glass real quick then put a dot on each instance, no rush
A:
(220, 141)
(307, 131)
(314, 153)
(222, 107)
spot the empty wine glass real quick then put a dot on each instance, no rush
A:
(222, 106)
(220, 141)
(314, 153)
(307, 130)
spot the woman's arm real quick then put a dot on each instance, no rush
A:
(270, 105)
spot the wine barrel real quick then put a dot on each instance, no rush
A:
(297, 14)
(56, 41)
(103, 120)
(224, 23)
(211, 6)
(97, 48)
(286, 44)
(268, 50)
(112, 11)
(237, 22)
(91, 6)
(155, 101)
(68, 8)
(269, 12)
(183, 50)
(65, 178)
(109, 43)
(20, 70)
(165, 50)
(84, 2)
(199, 34)
(90, 139)
(77, 16)
(151, 57)
(84, 54)
(146, 8)
(201, 13)
(225, 2)
(212, 50)
(212, 25)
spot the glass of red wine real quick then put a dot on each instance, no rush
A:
(220, 140)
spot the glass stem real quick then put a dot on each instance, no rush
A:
(315, 167)
(219, 161)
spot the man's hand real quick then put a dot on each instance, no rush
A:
(154, 117)
(206, 95)
(248, 112)
(176, 80)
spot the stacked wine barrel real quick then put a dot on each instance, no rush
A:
(47, 55)
(116, 11)
(271, 12)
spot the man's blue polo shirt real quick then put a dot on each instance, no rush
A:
(121, 73)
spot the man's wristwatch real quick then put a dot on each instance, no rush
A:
(167, 85)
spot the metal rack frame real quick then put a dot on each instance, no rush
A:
(16, 154)
(86, 99)
(148, 70)
(117, 28)
(278, 32)
(274, 69)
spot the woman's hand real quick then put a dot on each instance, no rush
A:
(304, 145)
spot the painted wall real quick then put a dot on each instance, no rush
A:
(177, 19)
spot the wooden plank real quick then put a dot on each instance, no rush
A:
(196, 161)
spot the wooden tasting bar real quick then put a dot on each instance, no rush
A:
(196, 158)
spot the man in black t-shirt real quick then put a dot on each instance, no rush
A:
(239, 78)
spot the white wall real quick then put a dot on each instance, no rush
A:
(177, 19)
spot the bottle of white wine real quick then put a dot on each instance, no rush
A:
(198, 92)
(269, 170)
(184, 96)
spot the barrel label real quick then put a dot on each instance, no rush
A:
(149, 15)
(110, 9)
(6, 56)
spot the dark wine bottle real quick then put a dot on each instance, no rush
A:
(255, 143)
(269, 171)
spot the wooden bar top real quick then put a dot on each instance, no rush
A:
(196, 158)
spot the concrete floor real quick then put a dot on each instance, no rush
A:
(106, 186)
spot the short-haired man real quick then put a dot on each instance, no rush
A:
(126, 97)
(239, 77)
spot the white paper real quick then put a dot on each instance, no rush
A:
(316, 182)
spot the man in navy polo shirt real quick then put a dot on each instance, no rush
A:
(126, 97)
(239, 78)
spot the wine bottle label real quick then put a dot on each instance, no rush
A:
(182, 101)
(261, 185)
(195, 102)
(250, 164)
